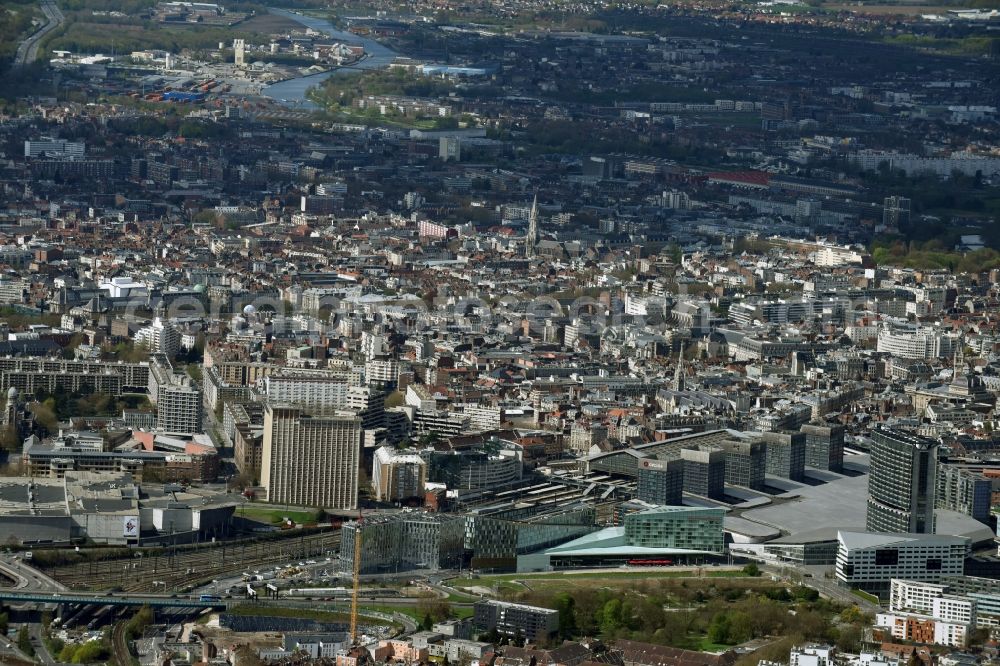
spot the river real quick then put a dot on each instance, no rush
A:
(293, 91)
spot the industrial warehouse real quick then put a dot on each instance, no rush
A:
(109, 508)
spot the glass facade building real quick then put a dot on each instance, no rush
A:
(661, 481)
(683, 528)
(902, 483)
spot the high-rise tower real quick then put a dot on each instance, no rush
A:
(901, 482)
(239, 52)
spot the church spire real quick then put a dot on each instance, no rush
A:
(531, 240)
(679, 370)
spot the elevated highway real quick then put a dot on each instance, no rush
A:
(93, 599)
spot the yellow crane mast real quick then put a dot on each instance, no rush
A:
(357, 581)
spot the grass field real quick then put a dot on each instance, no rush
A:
(742, 120)
(318, 614)
(586, 578)
(269, 24)
(864, 595)
(299, 613)
(265, 514)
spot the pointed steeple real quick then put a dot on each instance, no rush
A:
(679, 370)
(531, 240)
(960, 384)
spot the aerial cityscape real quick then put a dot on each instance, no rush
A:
(508, 333)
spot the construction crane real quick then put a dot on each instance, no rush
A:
(357, 581)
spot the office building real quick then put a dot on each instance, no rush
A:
(450, 149)
(54, 148)
(745, 463)
(964, 490)
(896, 212)
(530, 622)
(397, 476)
(678, 527)
(901, 483)
(660, 481)
(786, 454)
(499, 535)
(474, 469)
(660, 535)
(404, 542)
(870, 561)
(824, 445)
(311, 460)
(704, 472)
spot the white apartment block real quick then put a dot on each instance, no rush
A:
(178, 398)
(910, 596)
(483, 418)
(160, 337)
(950, 608)
(922, 344)
(924, 629)
(963, 162)
(811, 655)
(382, 370)
(418, 395)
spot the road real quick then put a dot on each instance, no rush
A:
(41, 651)
(10, 650)
(27, 51)
(815, 580)
(26, 577)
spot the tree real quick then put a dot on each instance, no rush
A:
(611, 616)
(24, 641)
(718, 630)
(567, 615)
(751, 569)
(850, 638)
(428, 622)
(139, 622)
(45, 414)
(9, 439)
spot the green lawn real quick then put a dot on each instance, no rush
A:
(501, 579)
(708, 646)
(266, 514)
(318, 614)
(270, 610)
(414, 611)
(864, 595)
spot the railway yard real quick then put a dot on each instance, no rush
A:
(184, 569)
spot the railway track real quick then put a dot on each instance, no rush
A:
(166, 571)
(119, 645)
